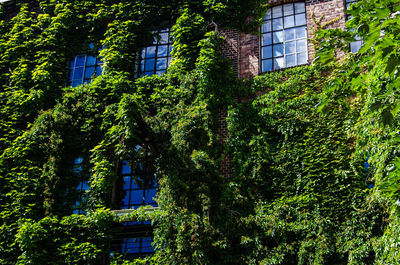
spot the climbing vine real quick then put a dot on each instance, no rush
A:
(297, 140)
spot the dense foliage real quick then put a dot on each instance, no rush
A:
(297, 139)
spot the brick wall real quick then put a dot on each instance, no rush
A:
(330, 9)
(230, 47)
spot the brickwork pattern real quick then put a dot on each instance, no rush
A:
(230, 47)
(249, 55)
(225, 166)
(330, 9)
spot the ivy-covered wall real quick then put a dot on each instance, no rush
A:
(298, 139)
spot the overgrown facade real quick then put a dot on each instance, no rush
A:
(213, 132)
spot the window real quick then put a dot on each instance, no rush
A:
(82, 188)
(156, 58)
(139, 184)
(355, 45)
(284, 37)
(82, 68)
(137, 245)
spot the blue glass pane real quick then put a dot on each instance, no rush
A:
(279, 63)
(126, 169)
(289, 21)
(146, 245)
(301, 58)
(277, 24)
(291, 60)
(301, 46)
(160, 72)
(137, 197)
(266, 39)
(161, 64)
(72, 64)
(266, 27)
(99, 70)
(125, 200)
(78, 73)
(150, 194)
(268, 14)
(89, 72)
(301, 32)
(162, 50)
(288, 9)
(278, 50)
(151, 52)
(277, 11)
(299, 7)
(133, 245)
(267, 65)
(266, 52)
(80, 60)
(85, 185)
(300, 19)
(76, 83)
(91, 61)
(290, 47)
(127, 182)
(164, 38)
(170, 49)
(278, 36)
(150, 64)
(289, 34)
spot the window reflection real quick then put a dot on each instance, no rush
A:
(284, 37)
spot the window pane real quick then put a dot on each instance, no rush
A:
(149, 65)
(278, 50)
(78, 73)
(289, 34)
(80, 61)
(266, 27)
(160, 72)
(146, 245)
(277, 11)
(137, 197)
(301, 58)
(300, 19)
(266, 52)
(288, 9)
(91, 60)
(267, 65)
(290, 47)
(299, 7)
(127, 182)
(301, 46)
(301, 32)
(125, 200)
(289, 22)
(133, 245)
(291, 60)
(89, 72)
(151, 52)
(99, 70)
(266, 39)
(164, 38)
(150, 195)
(279, 63)
(268, 14)
(162, 50)
(277, 24)
(278, 36)
(161, 64)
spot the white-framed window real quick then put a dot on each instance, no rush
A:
(284, 37)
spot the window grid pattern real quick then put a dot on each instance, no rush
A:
(82, 188)
(82, 68)
(139, 184)
(355, 45)
(284, 37)
(156, 58)
(137, 245)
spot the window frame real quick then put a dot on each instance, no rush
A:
(283, 43)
